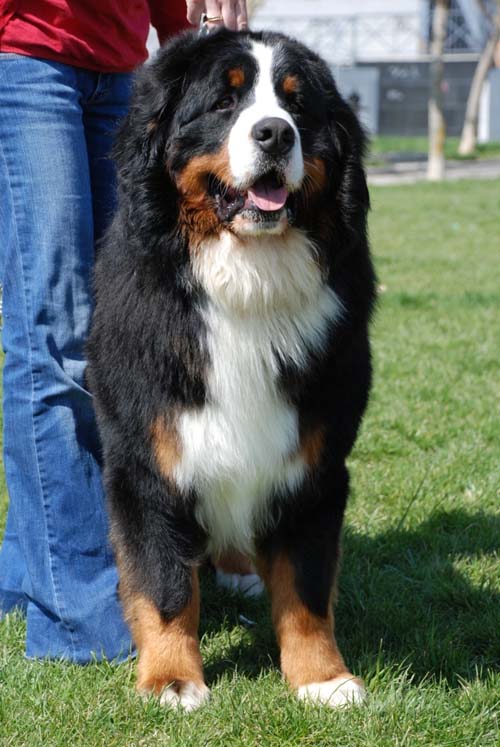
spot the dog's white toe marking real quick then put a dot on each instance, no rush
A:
(337, 693)
(248, 584)
(186, 695)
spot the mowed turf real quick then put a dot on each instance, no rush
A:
(394, 144)
(418, 613)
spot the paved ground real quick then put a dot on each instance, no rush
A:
(410, 172)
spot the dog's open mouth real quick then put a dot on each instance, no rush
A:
(262, 201)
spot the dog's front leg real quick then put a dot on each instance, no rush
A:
(310, 659)
(298, 565)
(169, 664)
(157, 546)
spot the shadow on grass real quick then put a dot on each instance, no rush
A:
(407, 597)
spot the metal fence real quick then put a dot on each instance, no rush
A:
(345, 40)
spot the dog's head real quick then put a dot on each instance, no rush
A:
(245, 133)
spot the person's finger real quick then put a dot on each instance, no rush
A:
(233, 13)
(241, 15)
(229, 14)
(194, 10)
(213, 10)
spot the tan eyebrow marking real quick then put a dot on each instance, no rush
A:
(236, 77)
(290, 84)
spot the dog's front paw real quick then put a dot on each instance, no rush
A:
(187, 695)
(337, 693)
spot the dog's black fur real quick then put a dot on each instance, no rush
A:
(147, 354)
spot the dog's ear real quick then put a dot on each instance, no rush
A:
(157, 88)
(353, 271)
(147, 196)
(345, 150)
(350, 143)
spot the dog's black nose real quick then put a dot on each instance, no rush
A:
(274, 135)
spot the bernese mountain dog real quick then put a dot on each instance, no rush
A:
(229, 356)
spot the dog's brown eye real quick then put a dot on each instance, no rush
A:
(226, 103)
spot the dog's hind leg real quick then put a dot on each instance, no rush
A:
(235, 571)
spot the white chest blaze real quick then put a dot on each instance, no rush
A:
(266, 301)
(243, 151)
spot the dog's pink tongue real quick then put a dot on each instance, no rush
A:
(266, 197)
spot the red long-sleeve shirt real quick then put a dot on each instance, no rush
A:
(102, 35)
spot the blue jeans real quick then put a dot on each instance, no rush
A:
(56, 195)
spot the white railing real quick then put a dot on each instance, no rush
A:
(345, 40)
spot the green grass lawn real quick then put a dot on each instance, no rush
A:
(385, 144)
(418, 615)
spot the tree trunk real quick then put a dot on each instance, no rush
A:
(469, 132)
(437, 124)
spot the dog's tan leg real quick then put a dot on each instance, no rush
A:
(310, 659)
(169, 663)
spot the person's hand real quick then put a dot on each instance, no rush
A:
(232, 13)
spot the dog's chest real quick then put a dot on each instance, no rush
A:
(242, 448)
